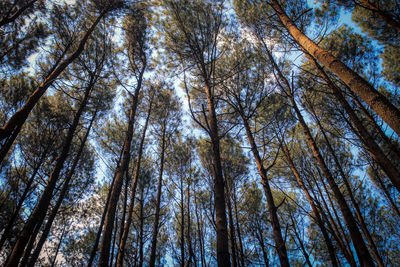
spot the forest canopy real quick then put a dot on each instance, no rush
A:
(199, 133)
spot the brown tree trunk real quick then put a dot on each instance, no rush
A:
(125, 231)
(11, 221)
(119, 174)
(272, 209)
(39, 213)
(328, 242)
(141, 222)
(231, 224)
(238, 229)
(360, 218)
(378, 102)
(10, 18)
(61, 197)
(358, 242)
(158, 202)
(223, 257)
(103, 216)
(303, 249)
(182, 225)
(385, 16)
(19, 117)
(372, 147)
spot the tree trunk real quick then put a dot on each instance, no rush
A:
(223, 257)
(378, 102)
(385, 16)
(125, 231)
(328, 242)
(303, 249)
(16, 14)
(358, 241)
(158, 202)
(19, 117)
(103, 216)
(141, 222)
(231, 224)
(272, 209)
(10, 224)
(39, 213)
(372, 147)
(360, 218)
(238, 229)
(119, 174)
(61, 197)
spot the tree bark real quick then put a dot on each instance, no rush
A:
(39, 213)
(223, 257)
(378, 102)
(125, 231)
(61, 197)
(317, 216)
(272, 209)
(372, 147)
(158, 202)
(360, 218)
(16, 14)
(385, 16)
(19, 117)
(119, 174)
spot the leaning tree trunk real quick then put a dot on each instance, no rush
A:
(119, 176)
(360, 218)
(372, 147)
(385, 16)
(39, 213)
(328, 242)
(358, 241)
(63, 193)
(19, 117)
(272, 209)
(158, 202)
(125, 230)
(378, 102)
(10, 18)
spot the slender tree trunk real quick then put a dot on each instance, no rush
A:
(360, 218)
(199, 232)
(385, 16)
(263, 249)
(192, 255)
(19, 117)
(63, 193)
(358, 241)
(7, 19)
(141, 222)
(10, 224)
(158, 201)
(378, 102)
(125, 231)
(103, 216)
(238, 229)
(391, 145)
(39, 213)
(231, 224)
(303, 249)
(223, 257)
(372, 147)
(9, 142)
(272, 209)
(182, 224)
(114, 237)
(53, 262)
(119, 174)
(317, 216)
(339, 236)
